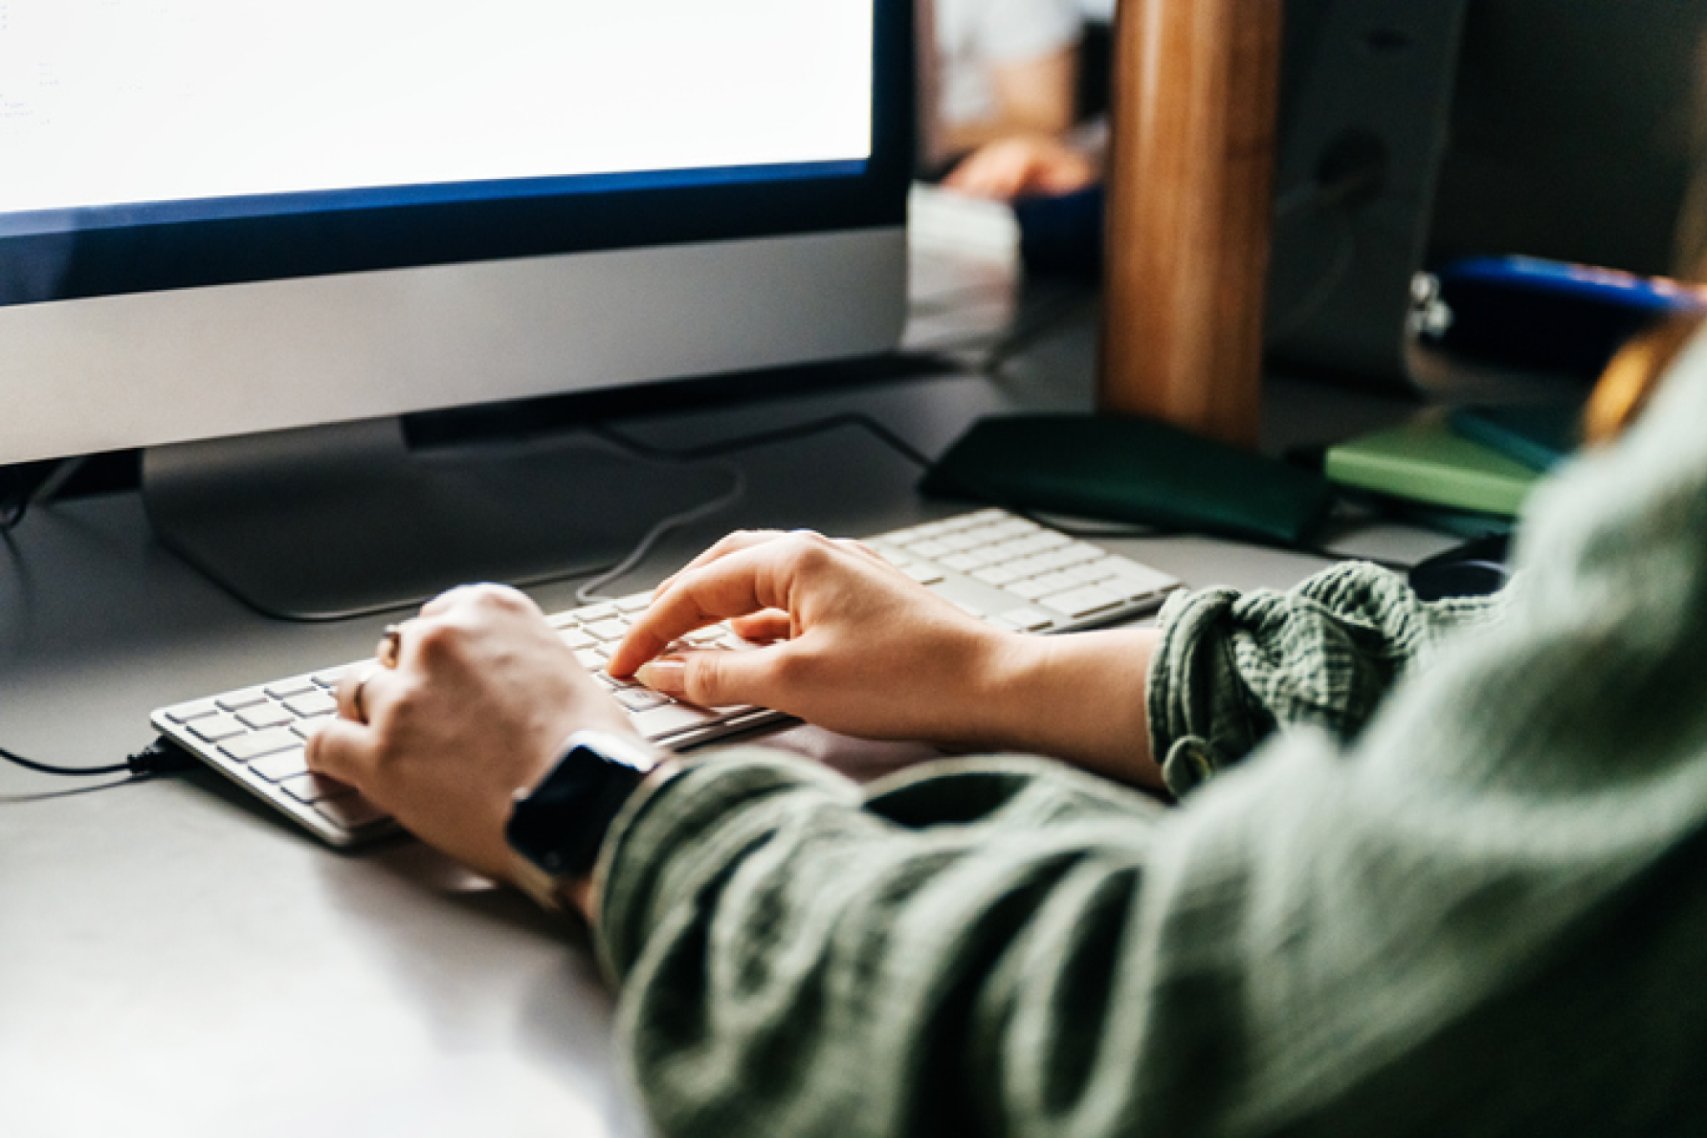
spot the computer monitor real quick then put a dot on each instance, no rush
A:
(228, 228)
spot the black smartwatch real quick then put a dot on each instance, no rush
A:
(557, 827)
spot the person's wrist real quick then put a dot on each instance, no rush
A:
(995, 705)
(1080, 698)
(559, 824)
(581, 894)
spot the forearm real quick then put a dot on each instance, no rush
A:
(763, 914)
(1081, 699)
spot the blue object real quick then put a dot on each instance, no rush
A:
(1062, 234)
(1549, 315)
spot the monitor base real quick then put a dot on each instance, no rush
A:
(346, 520)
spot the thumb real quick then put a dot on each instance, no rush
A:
(335, 751)
(718, 678)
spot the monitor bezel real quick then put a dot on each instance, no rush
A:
(115, 260)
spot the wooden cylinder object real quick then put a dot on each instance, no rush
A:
(1191, 176)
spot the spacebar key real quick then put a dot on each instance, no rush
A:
(1083, 602)
(656, 722)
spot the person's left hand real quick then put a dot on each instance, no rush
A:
(1021, 166)
(480, 702)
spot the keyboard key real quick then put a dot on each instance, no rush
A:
(247, 747)
(238, 700)
(330, 677)
(639, 602)
(924, 574)
(268, 715)
(312, 788)
(1010, 551)
(189, 711)
(285, 764)
(970, 598)
(968, 561)
(590, 659)
(1077, 554)
(641, 699)
(576, 637)
(929, 548)
(608, 630)
(1027, 619)
(589, 613)
(669, 719)
(986, 535)
(1032, 566)
(216, 728)
(1140, 580)
(1090, 574)
(999, 575)
(285, 689)
(1036, 588)
(308, 706)
(350, 811)
(1084, 602)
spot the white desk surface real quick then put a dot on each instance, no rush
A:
(175, 961)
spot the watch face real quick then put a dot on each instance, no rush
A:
(561, 824)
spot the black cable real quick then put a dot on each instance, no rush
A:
(14, 502)
(764, 438)
(878, 431)
(160, 757)
(906, 450)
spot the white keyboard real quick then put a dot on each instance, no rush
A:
(1001, 568)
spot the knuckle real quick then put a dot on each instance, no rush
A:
(704, 678)
(436, 639)
(809, 550)
(499, 597)
(738, 540)
(793, 669)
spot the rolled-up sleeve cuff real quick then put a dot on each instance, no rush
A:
(1201, 718)
(674, 837)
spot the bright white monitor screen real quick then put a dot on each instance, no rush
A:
(250, 237)
(123, 102)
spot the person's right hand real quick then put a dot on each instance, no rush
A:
(850, 643)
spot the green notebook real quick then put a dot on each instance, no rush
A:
(1540, 437)
(1427, 461)
(1133, 470)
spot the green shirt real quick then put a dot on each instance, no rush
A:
(1458, 886)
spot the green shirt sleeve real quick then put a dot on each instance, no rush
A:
(1234, 667)
(1479, 914)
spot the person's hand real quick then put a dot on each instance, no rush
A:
(851, 643)
(482, 697)
(1027, 164)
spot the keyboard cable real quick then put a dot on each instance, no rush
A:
(899, 445)
(162, 756)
